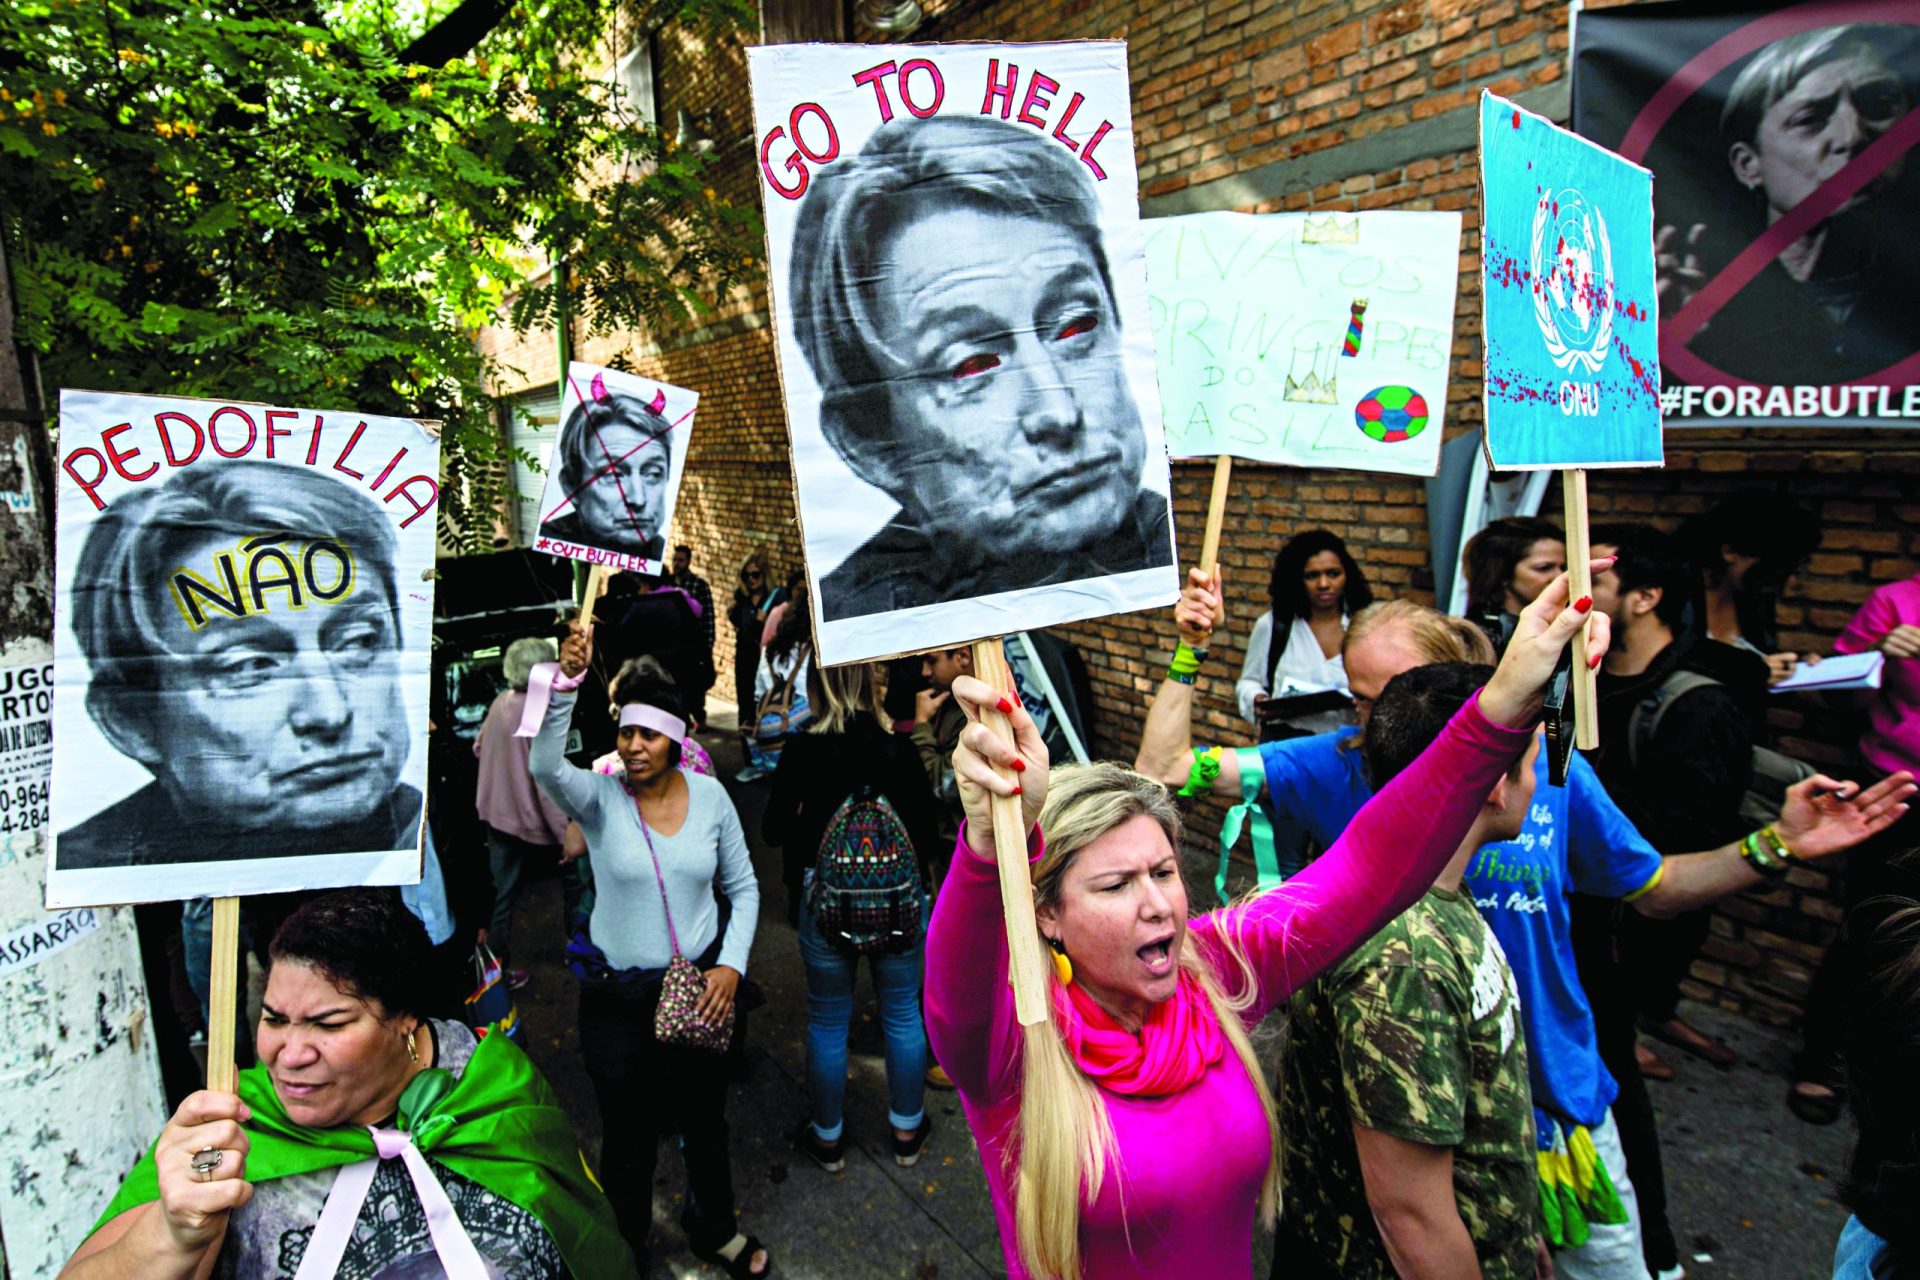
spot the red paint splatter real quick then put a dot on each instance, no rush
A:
(1516, 119)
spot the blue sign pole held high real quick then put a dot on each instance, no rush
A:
(1572, 361)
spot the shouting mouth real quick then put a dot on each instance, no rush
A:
(1157, 956)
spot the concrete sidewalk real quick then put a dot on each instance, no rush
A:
(1751, 1187)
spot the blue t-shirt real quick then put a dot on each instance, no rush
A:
(1575, 839)
(1319, 781)
(1861, 1255)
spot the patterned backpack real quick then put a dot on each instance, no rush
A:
(866, 894)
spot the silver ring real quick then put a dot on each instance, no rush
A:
(205, 1162)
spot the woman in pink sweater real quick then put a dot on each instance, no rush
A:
(1132, 1133)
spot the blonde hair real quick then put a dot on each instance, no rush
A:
(1434, 636)
(840, 695)
(1066, 1136)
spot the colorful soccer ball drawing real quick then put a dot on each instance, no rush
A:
(1391, 414)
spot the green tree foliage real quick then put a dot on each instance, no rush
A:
(271, 201)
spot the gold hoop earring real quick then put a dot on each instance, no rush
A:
(413, 1050)
(1062, 966)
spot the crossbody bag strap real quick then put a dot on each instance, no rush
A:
(659, 879)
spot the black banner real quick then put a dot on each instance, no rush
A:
(1784, 200)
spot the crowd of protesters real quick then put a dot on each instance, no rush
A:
(1467, 955)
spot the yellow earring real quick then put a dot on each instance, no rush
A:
(413, 1050)
(1062, 966)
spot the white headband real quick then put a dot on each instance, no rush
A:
(646, 717)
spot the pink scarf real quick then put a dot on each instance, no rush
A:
(1179, 1041)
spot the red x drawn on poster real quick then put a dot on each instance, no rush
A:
(1824, 200)
(613, 464)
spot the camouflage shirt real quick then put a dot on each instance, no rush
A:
(1416, 1035)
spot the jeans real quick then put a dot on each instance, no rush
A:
(1657, 954)
(509, 856)
(1611, 1252)
(1616, 1004)
(831, 974)
(645, 1090)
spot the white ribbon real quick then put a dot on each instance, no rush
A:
(545, 680)
(331, 1235)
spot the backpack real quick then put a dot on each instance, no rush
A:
(866, 894)
(1773, 771)
(782, 712)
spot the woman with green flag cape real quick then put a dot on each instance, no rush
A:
(370, 1141)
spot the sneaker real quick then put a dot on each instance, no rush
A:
(517, 978)
(750, 774)
(831, 1156)
(907, 1153)
(937, 1078)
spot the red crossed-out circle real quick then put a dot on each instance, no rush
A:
(1829, 196)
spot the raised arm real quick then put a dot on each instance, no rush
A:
(575, 791)
(970, 1013)
(1402, 838)
(1166, 740)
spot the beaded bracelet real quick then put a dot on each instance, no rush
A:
(1186, 663)
(1781, 849)
(1763, 855)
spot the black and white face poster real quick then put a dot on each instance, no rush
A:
(243, 605)
(615, 472)
(959, 288)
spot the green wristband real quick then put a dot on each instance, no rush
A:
(1186, 663)
(1200, 778)
(1753, 849)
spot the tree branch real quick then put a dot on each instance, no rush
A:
(457, 34)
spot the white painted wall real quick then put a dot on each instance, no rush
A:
(80, 1096)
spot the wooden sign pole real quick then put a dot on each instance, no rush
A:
(1026, 969)
(223, 996)
(1216, 515)
(596, 582)
(1586, 681)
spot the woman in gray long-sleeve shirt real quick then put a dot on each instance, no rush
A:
(686, 824)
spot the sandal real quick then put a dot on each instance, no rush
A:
(740, 1267)
(1815, 1108)
(1683, 1035)
(1652, 1066)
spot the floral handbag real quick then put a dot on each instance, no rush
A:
(674, 1020)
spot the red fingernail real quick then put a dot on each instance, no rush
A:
(1595, 664)
(1006, 707)
(1019, 765)
(1017, 791)
(1584, 603)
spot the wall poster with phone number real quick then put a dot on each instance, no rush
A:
(26, 752)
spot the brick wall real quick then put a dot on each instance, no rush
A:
(1317, 104)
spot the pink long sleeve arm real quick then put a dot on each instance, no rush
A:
(1386, 859)
(969, 1005)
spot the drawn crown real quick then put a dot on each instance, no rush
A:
(1331, 230)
